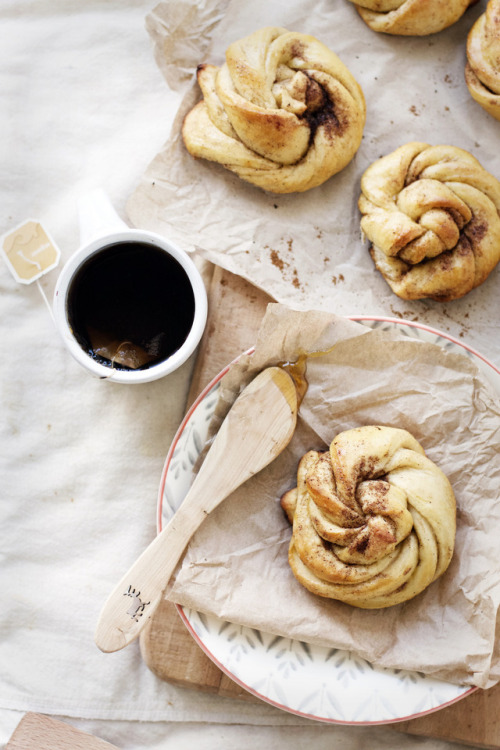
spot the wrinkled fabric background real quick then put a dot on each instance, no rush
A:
(85, 105)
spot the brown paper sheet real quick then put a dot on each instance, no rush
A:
(306, 249)
(236, 565)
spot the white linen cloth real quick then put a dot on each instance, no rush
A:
(84, 105)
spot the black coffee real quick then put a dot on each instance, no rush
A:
(131, 306)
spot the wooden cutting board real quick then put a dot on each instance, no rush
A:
(39, 732)
(235, 311)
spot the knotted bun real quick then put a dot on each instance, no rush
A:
(373, 519)
(482, 71)
(411, 17)
(432, 216)
(283, 112)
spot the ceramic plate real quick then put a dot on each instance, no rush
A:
(325, 684)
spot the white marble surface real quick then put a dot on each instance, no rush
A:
(84, 105)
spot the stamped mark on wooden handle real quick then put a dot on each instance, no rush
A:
(137, 607)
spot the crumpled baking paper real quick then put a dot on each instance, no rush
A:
(306, 249)
(236, 566)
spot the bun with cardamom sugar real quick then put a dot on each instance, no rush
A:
(482, 71)
(411, 17)
(373, 519)
(432, 216)
(283, 112)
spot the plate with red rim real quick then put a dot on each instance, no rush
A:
(325, 684)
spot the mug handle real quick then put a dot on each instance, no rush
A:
(97, 217)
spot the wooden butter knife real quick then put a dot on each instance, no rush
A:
(259, 425)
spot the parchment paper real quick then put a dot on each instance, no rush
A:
(306, 249)
(236, 566)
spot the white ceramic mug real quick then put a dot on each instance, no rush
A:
(101, 228)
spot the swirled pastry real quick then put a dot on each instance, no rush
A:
(482, 71)
(283, 112)
(411, 17)
(432, 216)
(373, 519)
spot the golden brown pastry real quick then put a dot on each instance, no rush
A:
(432, 216)
(411, 17)
(283, 112)
(482, 71)
(373, 518)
